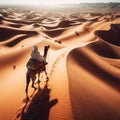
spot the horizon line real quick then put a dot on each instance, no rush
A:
(61, 3)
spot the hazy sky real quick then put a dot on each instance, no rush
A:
(49, 2)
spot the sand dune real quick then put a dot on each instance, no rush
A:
(83, 64)
(112, 35)
(91, 95)
(7, 33)
(54, 33)
(105, 49)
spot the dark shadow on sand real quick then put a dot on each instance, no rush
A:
(84, 61)
(38, 108)
(16, 41)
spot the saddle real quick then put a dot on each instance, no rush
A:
(34, 64)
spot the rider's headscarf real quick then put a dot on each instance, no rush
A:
(35, 47)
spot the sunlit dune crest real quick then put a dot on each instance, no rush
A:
(83, 63)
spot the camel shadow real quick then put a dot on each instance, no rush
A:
(40, 105)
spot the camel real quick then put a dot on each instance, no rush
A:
(36, 68)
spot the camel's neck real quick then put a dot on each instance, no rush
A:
(46, 48)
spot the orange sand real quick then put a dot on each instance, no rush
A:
(83, 67)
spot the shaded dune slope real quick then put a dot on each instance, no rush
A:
(17, 40)
(104, 49)
(6, 33)
(112, 35)
(54, 33)
(66, 23)
(97, 69)
(15, 25)
(89, 96)
(18, 21)
(60, 24)
(60, 27)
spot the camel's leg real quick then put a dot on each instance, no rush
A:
(39, 78)
(47, 78)
(27, 84)
(33, 81)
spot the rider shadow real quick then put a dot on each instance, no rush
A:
(40, 105)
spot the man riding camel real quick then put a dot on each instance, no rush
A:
(36, 54)
(36, 65)
(36, 59)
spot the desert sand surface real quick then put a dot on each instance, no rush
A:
(83, 63)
